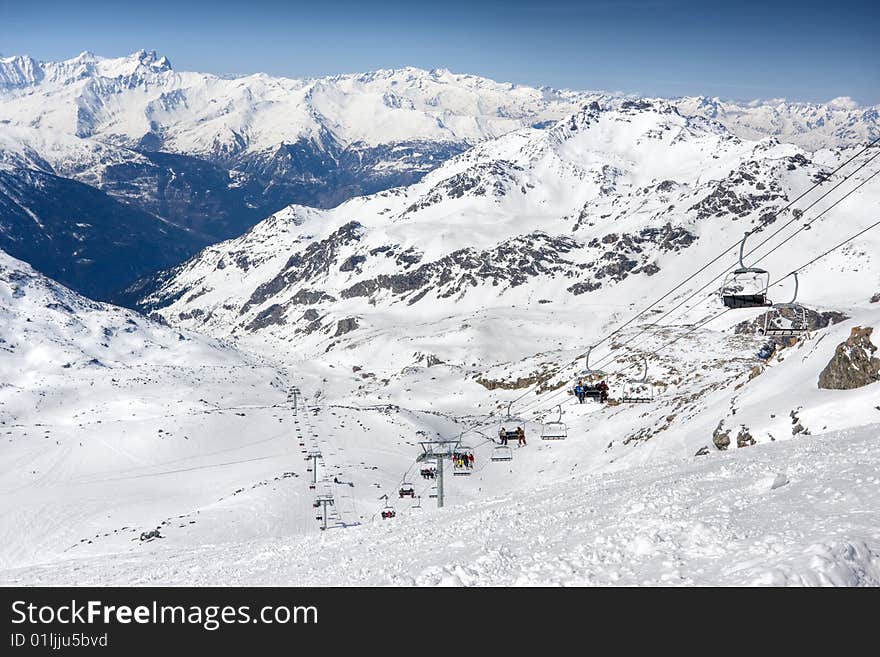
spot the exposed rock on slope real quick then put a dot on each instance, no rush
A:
(854, 364)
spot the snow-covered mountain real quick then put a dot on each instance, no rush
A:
(508, 260)
(837, 123)
(421, 312)
(211, 156)
(601, 205)
(207, 157)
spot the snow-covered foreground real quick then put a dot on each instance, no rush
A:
(804, 512)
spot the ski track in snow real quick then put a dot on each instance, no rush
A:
(804, 512)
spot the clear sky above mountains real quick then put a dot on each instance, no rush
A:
(734, 49)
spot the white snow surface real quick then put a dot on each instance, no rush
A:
(804, 513)
(204, 444)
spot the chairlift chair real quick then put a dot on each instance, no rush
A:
(510, 428)
(407, 490)
(502, 453)
(388, 511)
(588, 371)
(461, 464)
(555, 430)
(797, 324)
(595, 394)
(636, 391)
(745, 287)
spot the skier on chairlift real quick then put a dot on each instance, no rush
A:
(580, 391)
(503, 435)
(520, 436)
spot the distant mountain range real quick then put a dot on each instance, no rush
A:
(111, 169)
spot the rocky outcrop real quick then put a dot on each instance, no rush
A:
(521, 382)
(315, 260)
(511, 263)
(273, 315)
(853, 364)
(630, 253)
(744, 437)
(346, 325)
(720, 437)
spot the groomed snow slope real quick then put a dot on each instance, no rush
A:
(112, 425)
(805, 512)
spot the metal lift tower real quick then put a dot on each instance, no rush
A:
(438, 451)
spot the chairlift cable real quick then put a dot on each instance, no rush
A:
(707, 320)
(824, 178)
(806, 226)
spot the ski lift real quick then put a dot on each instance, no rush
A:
(640, 390)
(554, 430)
(786, 327)
(388, 511)
(407, 490)
(462, 461)
(502, 453)
(417, 503)
(428, 473)
(745, 287)
(510, 428)
(588, 371)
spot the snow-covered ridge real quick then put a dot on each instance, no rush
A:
(599, 198)
(123, 99)
(513, 256)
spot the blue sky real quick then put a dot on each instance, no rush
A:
(734, 49)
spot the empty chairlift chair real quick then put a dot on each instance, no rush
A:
(745, 287)
(555, 430)
(639, 390)
(502, 453)
(787, 320)
(407, 490)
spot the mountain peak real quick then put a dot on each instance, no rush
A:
(151, 60)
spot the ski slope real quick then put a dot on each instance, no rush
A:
(801, 513)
